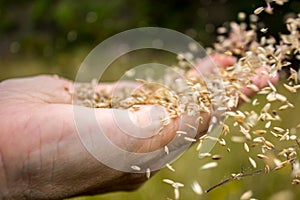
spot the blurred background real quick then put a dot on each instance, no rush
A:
(54, 37)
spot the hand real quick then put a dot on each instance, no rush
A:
(41, 153)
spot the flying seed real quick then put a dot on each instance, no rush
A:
(197, 188)
(257, 11)
(262, 156)
(168, 181)
(295, 181)
(259, 132)
(148, 173)
(246, 147)
(290, 88)
(246, 195)
(263, 30)
(166, 150)
(278, 129)
(203, 155)
(170, 167)
(176, 193)
(190, 139)
(268, 124)
(136, 168)
(238, 139)
(209, 165)
(253, 163)
(216, 157)
(283, 107)
(267, 169)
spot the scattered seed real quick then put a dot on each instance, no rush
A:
(246, 147)
(197, 188)
(209, 165)
(148, 173)
(253, 163)
(136, 168)
(246, 195)
(216, 157)
(168, 181)
(257, 11)
(166, 150)
(170, 167)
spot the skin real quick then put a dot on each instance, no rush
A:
(41, 155)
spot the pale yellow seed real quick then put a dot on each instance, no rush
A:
(170, 167)
(257, 11)
(197, 188)
(246, 147)
(148, 173)
(216, 157)
(278, 129)
(262, 156)
(283, 107)
(136, 168)
(252, 162)
(259, 132)
(290, 88)
(168, 181)
(209, 165)
(268, 124)
(246, 195)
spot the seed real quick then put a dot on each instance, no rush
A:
(203, 155)
(166, 150)
(268, 124)
(216, 157)
(280, 97)
(266, 108)
(190, 139)
(170, 167)
(148, 173)
(197, 188)
(246, 195)
(209, 165)
(262, 156)
(177, 185)
(238, 139)
(283, 107)
(176, 193)
(253, 163)
(259, 132)
(293, 137)
(295, 181)
(278, 129)
(267, 169)
(222, 142)
(190, 126)
(246, 147)
(168, 181)
(264, 30)
(290, 88)
(257, 11)
(136, 168)
(255, 102)
(269, 144)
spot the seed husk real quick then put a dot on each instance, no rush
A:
(252, 162)
(257, 11)
(209, 165)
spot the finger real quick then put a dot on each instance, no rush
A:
(38, 89)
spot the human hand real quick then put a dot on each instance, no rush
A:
(42, 156)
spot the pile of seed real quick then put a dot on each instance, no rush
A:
(185, 94)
